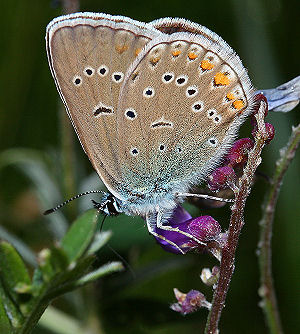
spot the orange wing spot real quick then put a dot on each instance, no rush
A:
(206, 65)
(176, 53)
(221, 79)
(121, 48)
(238, 104)
(192, 55)
(155, 60)
(137, 51)
(230, 96)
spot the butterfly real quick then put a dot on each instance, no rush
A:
(155, 105)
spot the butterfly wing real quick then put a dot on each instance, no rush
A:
(190, 94)
(88, 55)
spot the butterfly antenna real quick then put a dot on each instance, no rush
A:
(47, 212)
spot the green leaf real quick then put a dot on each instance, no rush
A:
(100, 272)
(21, 247)
(37, 281)
(80, 235)
(52, 261)
(99, 241)
(67, 278)
(13, 314)
(5, 326)
(12, 269)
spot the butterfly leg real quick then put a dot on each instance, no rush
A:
(151, 229)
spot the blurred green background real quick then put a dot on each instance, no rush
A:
(40, 166)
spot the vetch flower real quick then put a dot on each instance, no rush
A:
(189, 302)
(238, 154)
(258, 99)
(204, 229)
(222, 178)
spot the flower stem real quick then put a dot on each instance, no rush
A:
(235, 226)
(267, 291)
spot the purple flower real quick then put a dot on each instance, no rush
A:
(189, 302)
(221, 178)
(204, 229)
(238, 154)
(258, 99)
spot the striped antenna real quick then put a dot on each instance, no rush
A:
(47, 212)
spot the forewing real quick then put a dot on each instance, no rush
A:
(88, 55)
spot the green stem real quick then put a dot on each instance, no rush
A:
(267, 291)
(35, 315)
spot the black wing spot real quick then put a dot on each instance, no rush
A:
(161, 124)
(102, 110)
(130, 113)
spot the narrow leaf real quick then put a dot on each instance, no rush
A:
(12, 269)
(21, 247)
(5, 326)
(80, 235)
(100, 272)
(13, 314)
(99, 241)
(52, 261)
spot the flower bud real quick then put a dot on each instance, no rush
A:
(270, 132)
(221, 178)
(204, 228)
(210, 277)
(258, 98)
(238, 154)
